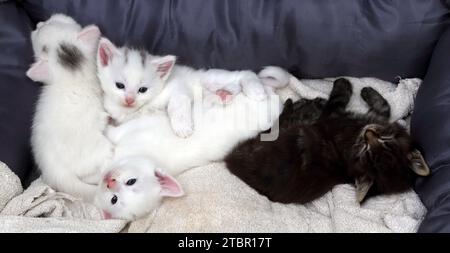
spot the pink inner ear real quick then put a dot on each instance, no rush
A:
(39, 71)
(169, 185)
(104, 53)
(164, 68)
(90, 34)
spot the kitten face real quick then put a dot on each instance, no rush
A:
(130, 78)
(385, 160)
(133, 187)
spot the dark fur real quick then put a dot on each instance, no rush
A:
(321, 145)
(70, 56)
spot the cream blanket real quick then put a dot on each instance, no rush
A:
(215, 201)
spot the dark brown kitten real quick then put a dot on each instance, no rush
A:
(321, 145)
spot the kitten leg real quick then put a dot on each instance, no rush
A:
(218, 86)
(252, 86)
(180, 114)
(339, 97)
(378, 106)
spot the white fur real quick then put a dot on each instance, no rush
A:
(168, 93)
(172, 107)
(67, 135)
(133, 75)
(218, 129)
(133, 201)
(274, 76)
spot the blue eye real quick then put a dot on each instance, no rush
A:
(143, 89)
(120, 86)
(131, 181)
(114, 200)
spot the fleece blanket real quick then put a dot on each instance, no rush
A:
(40, 209)
(215, 201)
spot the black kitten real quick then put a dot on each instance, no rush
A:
(326, 146)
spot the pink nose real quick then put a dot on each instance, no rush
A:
(111, 183)
(107, 215)
(129, 100)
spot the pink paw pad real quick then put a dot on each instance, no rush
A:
(224, 95)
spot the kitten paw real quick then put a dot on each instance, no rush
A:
(254, 90)
(343, 86)
(224, 95)
(369, 94)
(182, 128)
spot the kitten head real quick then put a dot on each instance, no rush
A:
(61, 44)
(385, 161)
(133, 187)
(130, 78)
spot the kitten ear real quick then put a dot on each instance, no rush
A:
(288, 106)
(90, 34)
(363, 185)
(288, 109)
(288, 102)
(164, 65)
(419, 166)
(39, 71)
(169, 185)
(106, 51)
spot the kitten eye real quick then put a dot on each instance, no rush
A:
(120, 86)
(114, 200)
(143, 89)
(131, 181)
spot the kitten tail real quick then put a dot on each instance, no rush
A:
(275, 77)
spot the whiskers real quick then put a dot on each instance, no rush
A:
(363, 148)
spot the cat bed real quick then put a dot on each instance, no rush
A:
(217, 201)
(387, 39)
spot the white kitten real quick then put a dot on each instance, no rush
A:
(136, 82)
(134, 186)
(67, 135)
(218, 130)
(130, 79)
